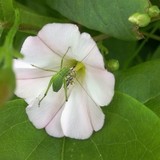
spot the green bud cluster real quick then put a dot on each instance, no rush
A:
(143, 19)
(140, 19)
(153, 11)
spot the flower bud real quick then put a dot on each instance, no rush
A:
(153, 11)
(140, 19)
(102, 48)
(7, 84)
(113, 65)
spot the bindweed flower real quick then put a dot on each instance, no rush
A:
(89, 85)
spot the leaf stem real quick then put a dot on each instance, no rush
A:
(153, 36)
(100, 37)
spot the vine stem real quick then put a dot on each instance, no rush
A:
(140, 47)
(8, 44)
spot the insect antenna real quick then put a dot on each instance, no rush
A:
(88, 54)
(44, 69)
(64, 57)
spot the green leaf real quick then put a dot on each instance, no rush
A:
(156, 54)
(6, 11)
(40, 7)
(132, 131)
(30, 22)
(18, 137)
(110, 17)
(141, 81)
(154, 104)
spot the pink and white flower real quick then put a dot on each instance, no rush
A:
(93, 86)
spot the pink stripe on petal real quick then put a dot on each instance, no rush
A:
(75, 119)
(94, 111)
(59, 37)
(87, 52)
(37, 53)
(42, 115)
(54, 127)
(29, 89)
(100, 85)
(26, 71)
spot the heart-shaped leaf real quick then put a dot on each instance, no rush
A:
(141, 81)
(110, 17)
(131, 131)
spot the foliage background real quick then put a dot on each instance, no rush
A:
(132, 128)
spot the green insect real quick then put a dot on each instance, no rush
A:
(63, 77)
(58, 79)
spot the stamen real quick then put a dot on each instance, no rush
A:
(79, 66)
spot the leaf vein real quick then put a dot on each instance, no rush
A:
(100, 155)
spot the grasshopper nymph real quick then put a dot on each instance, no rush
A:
(63, 77)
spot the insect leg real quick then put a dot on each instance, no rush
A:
(48, 87)
(65, 89)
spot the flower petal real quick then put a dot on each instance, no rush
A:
(29, 89)
(54, 127)
(59, 37)
(100, 85)
(37, 53)
(87, 51)
(41, 115)
(75, 119)
(26, 71)
(96, 115)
